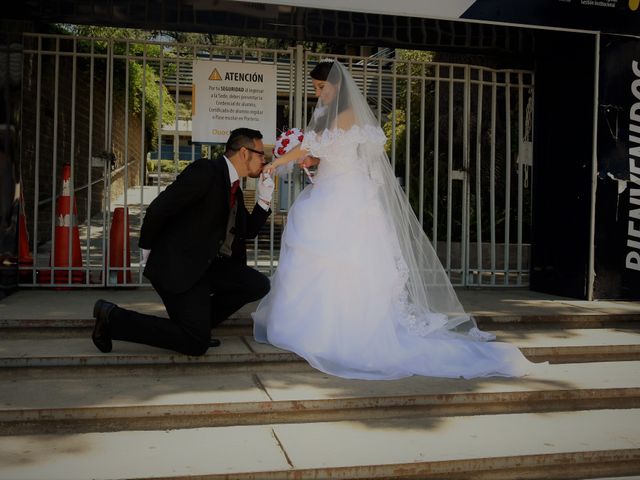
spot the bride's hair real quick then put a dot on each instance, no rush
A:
(322, 72)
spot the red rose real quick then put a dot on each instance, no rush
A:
(289, 132)
(281, 151)
(300, 138)
(285, 142)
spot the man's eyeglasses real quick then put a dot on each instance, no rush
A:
(255, 151)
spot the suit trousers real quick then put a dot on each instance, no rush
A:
(225, 287)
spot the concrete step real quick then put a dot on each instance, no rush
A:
(250, 411)
(554, 345)
(243, 325)
(128, 400)
(584, 444)
(77, 328)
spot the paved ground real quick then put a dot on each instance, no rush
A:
(77, 304)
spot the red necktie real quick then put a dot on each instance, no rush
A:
(234, 188)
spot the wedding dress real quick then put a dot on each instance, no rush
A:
(359, 291)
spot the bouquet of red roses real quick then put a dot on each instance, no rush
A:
(288, 140)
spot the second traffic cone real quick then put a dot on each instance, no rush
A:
(67, 237)
(119, 247)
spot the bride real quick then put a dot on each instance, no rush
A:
(359, 291)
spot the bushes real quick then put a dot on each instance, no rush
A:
(167, 166)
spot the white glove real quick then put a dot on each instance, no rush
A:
(145, 256)
(265, 189)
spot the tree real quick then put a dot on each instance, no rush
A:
(143, 79)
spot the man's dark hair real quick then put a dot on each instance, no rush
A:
(242, 137)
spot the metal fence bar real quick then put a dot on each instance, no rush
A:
(449, 171)
(36, 187)
(160, 107)
(72, 191)
(507, 200)
(520, 179)
(479, 112)
(394, 91)
(54, 162)
(121, 272)
(492, 176)
(422, 140)
(436, 155)
(143, 160)
(466, 201)
(106, 217)
(407, 153)
(380, 92)
(176, 137)
(90, 166)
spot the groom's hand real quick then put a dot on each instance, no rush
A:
(265, 189)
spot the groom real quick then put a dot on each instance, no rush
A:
(196, 231)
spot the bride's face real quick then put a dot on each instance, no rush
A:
(325, 91)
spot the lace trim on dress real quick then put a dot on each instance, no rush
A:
(369, 140)
(319, 143)
(416, 322)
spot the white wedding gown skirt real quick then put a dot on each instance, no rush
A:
(335, 298)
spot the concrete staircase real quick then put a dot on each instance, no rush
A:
(251, 411)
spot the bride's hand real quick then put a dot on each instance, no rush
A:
(309, 161)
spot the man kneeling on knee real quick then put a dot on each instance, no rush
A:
(194, 236)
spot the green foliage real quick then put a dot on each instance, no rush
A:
(144, 85)
(167, 166)
(414, 56)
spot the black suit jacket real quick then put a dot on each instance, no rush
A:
(185, 225)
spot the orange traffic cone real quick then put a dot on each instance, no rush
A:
(25, 259)
(118, 235)
(67, 237)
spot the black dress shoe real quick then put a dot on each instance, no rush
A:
(214, 342)
(101, 335)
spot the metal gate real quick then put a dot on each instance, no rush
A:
(460, 141)
(106, 125)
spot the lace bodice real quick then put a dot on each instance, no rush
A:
(344, 150)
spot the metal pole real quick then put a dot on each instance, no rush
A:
(594, 172)
(492, 176)
(479, 176)
(465, 236)
(298, 119)
(507, 206)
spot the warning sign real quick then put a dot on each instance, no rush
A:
(229, 95)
